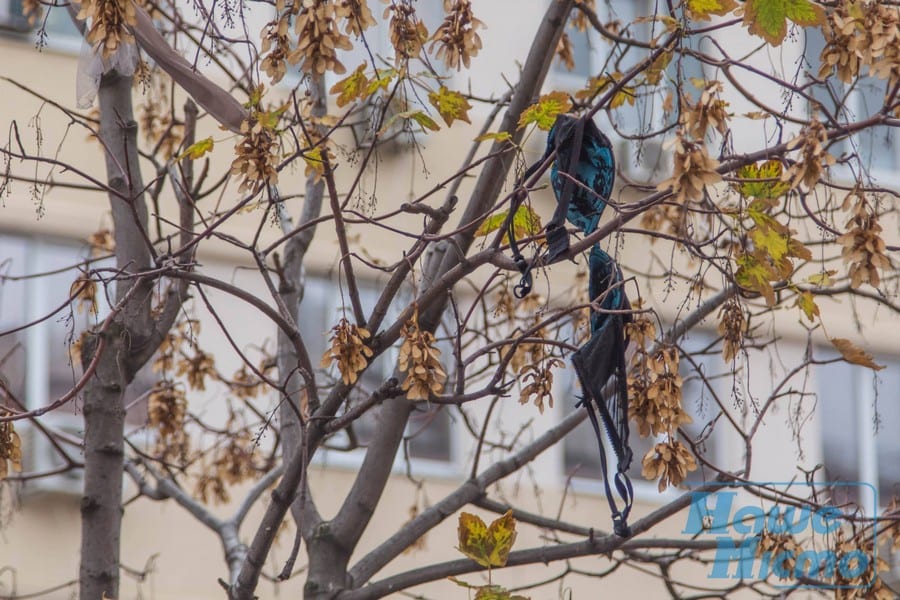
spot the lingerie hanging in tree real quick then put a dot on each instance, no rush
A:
(582, 177)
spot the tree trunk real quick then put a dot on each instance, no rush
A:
(101, 505)
(127, 341)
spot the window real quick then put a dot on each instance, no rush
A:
(580, 453)
(34, 363)
(877, 147)
(859, 417)
(428, 431)
(54, 27)
(641, 159)
(596, 56)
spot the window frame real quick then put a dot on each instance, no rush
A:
(57, 39)
(862, 441)
(855, 105)
(450, 468)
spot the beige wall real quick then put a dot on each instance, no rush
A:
(39, 540)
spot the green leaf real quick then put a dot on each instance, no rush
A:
(544, 111)
(197, 149)
(450, 105)
(768, 18)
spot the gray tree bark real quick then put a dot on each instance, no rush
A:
(130, 341)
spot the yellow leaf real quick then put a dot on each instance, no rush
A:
(488, 546)
(654, 72)
(314, 162)
(768, 18)
(256, 95)
(698, 82)
(355, 85)
(197, 149)
(502, 536)
(808, 305)
(762, 181)
(424, 121)
(473, 535)
(269, 119)
(497, 136)
(823, 279)
(496, 592)
(700, 10)
(383, 78)
(770, 241)
(755, 275)
(854, 354)
(545, 110)
(597, 85)
(451, 105)
(418, 116)
(526, 223)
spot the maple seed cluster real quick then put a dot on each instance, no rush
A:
(84, 291)
(782, 546)
(419, 359)
(256, 157)
(166, 412)
(565, 52)
(540, 382)
(456, 39)
(709, 111)
(232, 464)
(863, 247)
(317, 35)
(654, 393)
(671, 461)
(694, 169)
(196, 369)
(110, 20)
(33, 10)
(732, 328)
(862, 34)
(10, 448)
(348, 350)
(866, 585)
(157, 124)
(408, 33)
(813, 159)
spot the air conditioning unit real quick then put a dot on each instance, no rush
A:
(39, 455)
